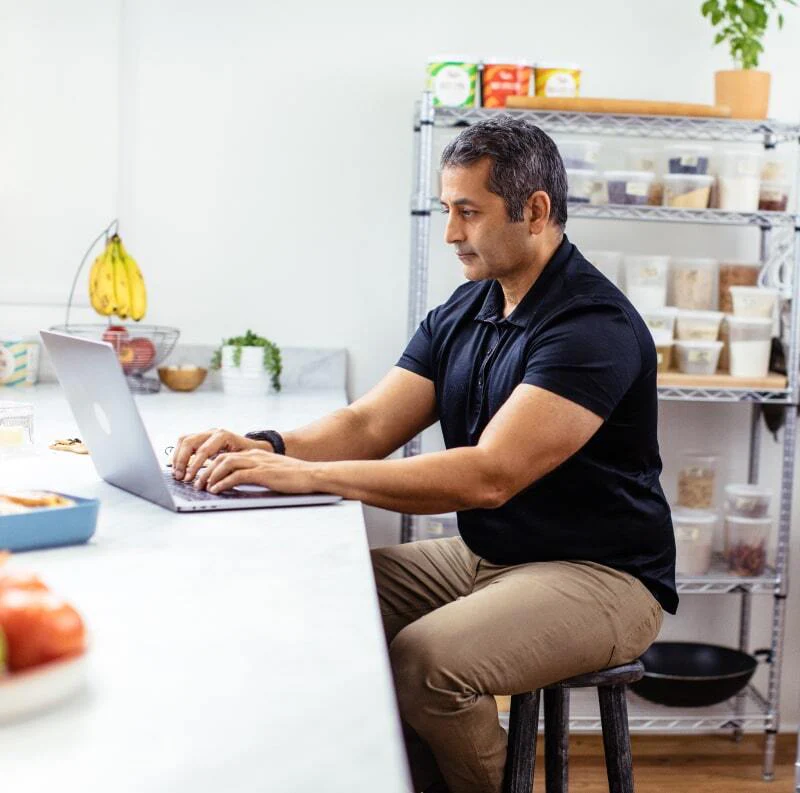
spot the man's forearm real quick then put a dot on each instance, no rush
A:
(455, 479)
(337, 436)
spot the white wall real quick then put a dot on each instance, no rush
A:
(261, 163)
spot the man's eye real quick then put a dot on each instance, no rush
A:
(444, 210)
(467, 213)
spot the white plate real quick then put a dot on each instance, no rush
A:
(42, 687)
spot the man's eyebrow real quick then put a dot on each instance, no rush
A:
(460, 202)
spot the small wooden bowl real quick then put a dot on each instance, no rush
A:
(182, 379)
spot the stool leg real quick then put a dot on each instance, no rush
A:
(616, 738)
(556, 739)
(521, 756)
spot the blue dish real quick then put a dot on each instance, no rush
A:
(50, 527)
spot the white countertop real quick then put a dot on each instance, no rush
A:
(230, 651)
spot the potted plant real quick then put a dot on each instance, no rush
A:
(742, 24)
(250, 364)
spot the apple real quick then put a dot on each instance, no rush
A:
(144, 353)
(115, 335)
(127, 356)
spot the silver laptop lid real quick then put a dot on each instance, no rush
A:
(106, 413)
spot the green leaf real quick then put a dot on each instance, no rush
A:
(749, 14)
(708, 7)
(780, 21)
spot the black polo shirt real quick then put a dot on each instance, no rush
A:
(574, 334)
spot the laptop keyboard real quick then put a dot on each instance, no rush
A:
(186, 491)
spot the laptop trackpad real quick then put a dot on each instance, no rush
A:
(256, 490)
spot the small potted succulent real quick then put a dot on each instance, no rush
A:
(742, 24)
(250, 365)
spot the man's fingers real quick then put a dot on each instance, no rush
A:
(239, 476)
(208, 448)
(183, 452)
(225, 466)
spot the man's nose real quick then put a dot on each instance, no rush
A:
(453, 231)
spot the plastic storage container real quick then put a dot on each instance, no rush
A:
(644, 158)
(735, 274)
(750, 342)
(754, 301)
(746, 544)
(434, 527)
(628, 187)
(50, 527)
(687, 191)
(579, 154)
(694, 540)
(693, 283)
(608, 262)
(16, 427)
(773, 196)
(581, 185)
(663, 354)
(688, 158)
(697, 475)
(646, 281)
(747, 501)
(739, 181)
(697, 357)
(661, 322)
(698, 325)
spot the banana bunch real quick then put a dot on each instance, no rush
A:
(116, 285)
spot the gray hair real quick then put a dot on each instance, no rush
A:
(524, 160)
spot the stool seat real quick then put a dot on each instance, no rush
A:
(524, 726)
(614, 676)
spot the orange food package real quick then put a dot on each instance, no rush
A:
(501, 80)
(39, 627)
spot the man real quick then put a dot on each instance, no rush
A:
(543, 377)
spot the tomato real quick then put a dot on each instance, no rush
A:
(39, 627)
(27, 581)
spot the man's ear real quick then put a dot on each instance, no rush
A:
(538, 207)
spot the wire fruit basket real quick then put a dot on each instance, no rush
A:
(139, 348)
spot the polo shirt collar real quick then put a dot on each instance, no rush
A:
(492, 308)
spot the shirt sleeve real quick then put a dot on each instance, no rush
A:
(588, 354)
(418, 355)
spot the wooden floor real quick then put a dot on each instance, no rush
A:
(681, 764)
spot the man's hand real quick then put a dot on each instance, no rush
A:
(203, 446)
(257, 467)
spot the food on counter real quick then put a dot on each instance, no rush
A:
(698, 357)
(557, 79)
(628, 187)
(580, 185)
(687, 191)
(39, 627)
(750, 343)
(773, 196)
(74, 445)
(116, 284)
(693, 283)
(28, 582)
(503, 78)
(577, 154)
(747, 501)
(694, 538)
(36, 499)
(735, 274)
(696, 478)
(688, 159)
(646, 281)
(453, 80)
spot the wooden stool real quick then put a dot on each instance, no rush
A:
(524, 725)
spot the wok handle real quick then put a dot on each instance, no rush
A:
(765, 653)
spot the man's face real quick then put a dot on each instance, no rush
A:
(486, 242)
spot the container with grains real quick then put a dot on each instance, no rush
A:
(696, 480)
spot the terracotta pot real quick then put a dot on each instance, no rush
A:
(744, 91)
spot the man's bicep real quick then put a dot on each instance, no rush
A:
(534, 432)
(397, 409)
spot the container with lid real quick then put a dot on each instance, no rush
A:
(663, 353)
(747, 501)
(16, 426)
(698, 325)
(504, 77)
(739, 180)
(557, 79)
(579, 153)
(687, 191)
(698, 357)
(628, 187)
(688, 158)
(697, 475)
(646, 281)
(608, 262)
(453, 80)
(581, 185)
(735, 274)
(773, 196)
(754, 301)
(693, 283)
(661, 321)
(694, 540)
(746, 544)
(750, 342)
(643, 158)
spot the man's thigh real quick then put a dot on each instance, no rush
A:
(528, 626)
(415, 578)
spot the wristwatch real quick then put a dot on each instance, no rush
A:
(272, 437)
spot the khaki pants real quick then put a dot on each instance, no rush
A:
(461, 630)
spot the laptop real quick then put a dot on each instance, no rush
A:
(114, 433)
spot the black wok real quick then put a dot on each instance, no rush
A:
(687, 674)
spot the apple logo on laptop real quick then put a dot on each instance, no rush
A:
(102, 419)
